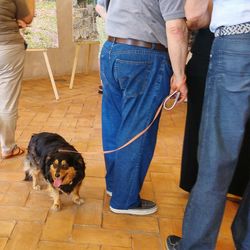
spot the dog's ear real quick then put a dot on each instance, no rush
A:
(81, 164)
(81, 168)
(48, 160)
(80, 160)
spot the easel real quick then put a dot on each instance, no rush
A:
(48, 68)
(78, 45)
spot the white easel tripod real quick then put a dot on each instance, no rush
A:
(45, 54)
(78, 45)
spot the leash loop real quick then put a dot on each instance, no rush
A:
(176, 96)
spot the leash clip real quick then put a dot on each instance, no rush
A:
(176, 94)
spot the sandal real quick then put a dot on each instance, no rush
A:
(16, 151)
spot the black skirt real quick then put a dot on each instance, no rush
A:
(196, 71)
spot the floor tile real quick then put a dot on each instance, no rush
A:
(26, 221)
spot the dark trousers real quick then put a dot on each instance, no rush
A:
(196, 71)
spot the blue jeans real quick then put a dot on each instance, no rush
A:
(226, 110)
(135, 82)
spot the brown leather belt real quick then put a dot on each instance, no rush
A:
(156, 46)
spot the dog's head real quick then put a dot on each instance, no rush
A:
(65, 169)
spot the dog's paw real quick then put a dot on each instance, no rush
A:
(56, 207)
(37, 187)
(78, 201)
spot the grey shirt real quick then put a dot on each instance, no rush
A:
(142, 19)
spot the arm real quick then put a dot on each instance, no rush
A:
(177, 46)
(26, 17)
(101, 11)
(21, 24)
(198, 13)
(31, 5)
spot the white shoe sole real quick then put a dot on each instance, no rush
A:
(134, 211)
(167, 246)
(109, 193)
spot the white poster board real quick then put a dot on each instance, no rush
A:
(42, 33)
(84, 21)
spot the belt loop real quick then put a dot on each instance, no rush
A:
(220, 30)
(112, 39)
(153, 47)
(112, 45)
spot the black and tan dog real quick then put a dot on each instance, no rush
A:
(63, 171)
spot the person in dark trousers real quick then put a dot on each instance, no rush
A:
(196, 71)
(101, 9)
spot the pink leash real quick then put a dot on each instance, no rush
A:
(176, 96)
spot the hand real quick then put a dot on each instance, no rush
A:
(179, 84)
(21, 24)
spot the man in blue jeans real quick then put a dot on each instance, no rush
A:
(144, 36)
(226, 110)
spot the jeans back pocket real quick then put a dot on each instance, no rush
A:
(132, 76)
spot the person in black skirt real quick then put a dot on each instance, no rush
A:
(196, 71)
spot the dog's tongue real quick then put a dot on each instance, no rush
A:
(57, 182)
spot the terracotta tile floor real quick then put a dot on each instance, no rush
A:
(26, 221)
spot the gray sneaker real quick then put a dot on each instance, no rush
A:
(172, 242)
(146, 207)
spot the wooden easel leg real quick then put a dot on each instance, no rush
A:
(50, 74)
(74, 66)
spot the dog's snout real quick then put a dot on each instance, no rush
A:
(57, 175)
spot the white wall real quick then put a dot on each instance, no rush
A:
(61, 59)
